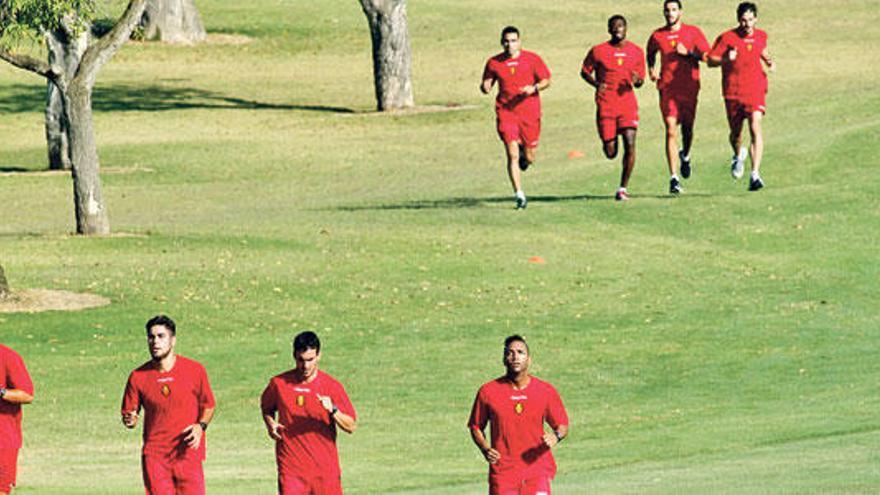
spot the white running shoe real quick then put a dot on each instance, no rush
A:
(737, 166)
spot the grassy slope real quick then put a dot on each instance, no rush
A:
(722, 341)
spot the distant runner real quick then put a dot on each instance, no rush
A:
(521, 75)
(615, 68)
(740, 52)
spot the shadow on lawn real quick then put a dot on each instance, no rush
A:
(23, 98)
(471, 202)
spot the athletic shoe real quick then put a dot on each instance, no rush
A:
(755, 184)
(521, 203)
(737, 166)
(674, 186)
(685, 164)
(523, 163)
(621, 195)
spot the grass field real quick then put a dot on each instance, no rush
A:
(720, 342)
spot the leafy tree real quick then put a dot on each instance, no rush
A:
(67, 22)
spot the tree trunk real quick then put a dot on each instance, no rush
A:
(65, 54)
(173, 21)
(4, 285)
(392, 55)
(89, 206)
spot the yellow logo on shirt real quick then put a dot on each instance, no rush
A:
(749, 47)
(512, 71)
(620, 61)
(518, 408)
(166, 390)
(300, 400)
(672, 43)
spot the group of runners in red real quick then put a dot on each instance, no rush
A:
(616, 68)
(302, 408)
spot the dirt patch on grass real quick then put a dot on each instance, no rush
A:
(53, 173)
(227, 39)
(420, 109)
(38, 300)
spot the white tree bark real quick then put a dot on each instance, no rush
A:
(392, 54)
(64, 56)
(173, 21)
(4, 285)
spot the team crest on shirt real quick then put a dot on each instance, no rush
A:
(518, 407)
(749, 46)
(166, 390)
(300, 400)
(512, 71)
(672, 43)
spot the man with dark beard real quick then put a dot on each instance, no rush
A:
(178, 404)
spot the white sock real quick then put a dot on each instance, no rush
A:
(621, 189)
(755, 175)
(520, 194)
(743, 153)
(684, 157)
(674, 176)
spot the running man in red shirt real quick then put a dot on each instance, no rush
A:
(302, 408)
(517, 405)
(615, 68)
(682, 47)
(740, 53)
(520, 75)
(178, 404)
(16, 388)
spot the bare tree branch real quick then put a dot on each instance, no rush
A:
(28, 63)
(105, 47)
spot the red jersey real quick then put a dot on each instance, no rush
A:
(13, 375)
(614, 66)
(517, 418)
(171, 401)
(514, 73)
(743, 78)
(308, 444)
(677, 73)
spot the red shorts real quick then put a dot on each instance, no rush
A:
(514, 127)
(682, 106)
(611, 123)
(539, 485)
(8, 462)
(740, 109)
(172, 477)
(299, 485)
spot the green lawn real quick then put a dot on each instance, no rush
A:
(720, 342)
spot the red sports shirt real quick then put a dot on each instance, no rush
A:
(743, 78)
(171, 401)
(13, 375)
(678, 74)
(308, 444)
(514, 73)
(614, 67)
(517, 418)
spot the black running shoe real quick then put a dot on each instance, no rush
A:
(756, 184)
(674, 186)
(521, 203)
(685, 164)
(523, 162)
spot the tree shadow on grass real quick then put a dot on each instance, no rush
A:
(466, 202)
(474, 202)
(23, 98)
